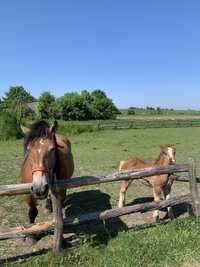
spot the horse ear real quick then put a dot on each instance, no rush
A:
(53, 128)
(25, 130)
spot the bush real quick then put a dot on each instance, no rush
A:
(85, 106)
(9, 127)
(131, 111)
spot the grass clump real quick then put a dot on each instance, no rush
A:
(75, 129)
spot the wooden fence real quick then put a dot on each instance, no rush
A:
(58, 223)
(143, 124)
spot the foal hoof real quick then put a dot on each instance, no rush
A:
(171, 216)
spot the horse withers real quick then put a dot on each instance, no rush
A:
(159, 183)
(47, 156)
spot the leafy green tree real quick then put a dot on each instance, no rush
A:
(102, 107)
(15, 101)
(46, 105)
(72, 106)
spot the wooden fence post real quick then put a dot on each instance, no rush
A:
(58, 218)
(193, 188)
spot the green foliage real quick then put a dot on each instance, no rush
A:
(9, 127)
(18, 93)
(45, 106)
(102, 107)
(15, 101)
(72, 106)
(85, 106)
(131, 111)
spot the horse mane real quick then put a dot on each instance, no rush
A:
(158, 158)
(39, 129)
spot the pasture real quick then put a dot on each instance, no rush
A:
(174, 244)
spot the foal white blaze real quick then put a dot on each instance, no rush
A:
(171, 155)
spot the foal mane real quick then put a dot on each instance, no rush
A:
(39, 129)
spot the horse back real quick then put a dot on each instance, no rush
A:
(133, 163)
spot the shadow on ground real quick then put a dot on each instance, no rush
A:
(96, 233)
(93, 201)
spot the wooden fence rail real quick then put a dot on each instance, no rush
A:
(18, 189)
(38, 228)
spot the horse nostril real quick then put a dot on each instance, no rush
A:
(31, 188)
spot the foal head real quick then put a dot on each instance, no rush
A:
(41, 152)
(170, 152)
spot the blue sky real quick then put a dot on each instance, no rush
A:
(141, 53)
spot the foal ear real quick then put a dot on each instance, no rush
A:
(163, 148)
(53, 128)
(25, 130)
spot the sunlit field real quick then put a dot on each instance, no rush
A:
(176, 243)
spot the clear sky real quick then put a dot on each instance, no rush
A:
(141, 52)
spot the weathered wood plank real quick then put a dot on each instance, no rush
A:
(58, 219)
(15, 189)
(21, 232)
(18, 189)
(193, 188)
(128, 175)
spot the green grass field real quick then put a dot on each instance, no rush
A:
(176, 243)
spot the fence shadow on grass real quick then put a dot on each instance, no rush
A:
(178, 210)
(92, 201)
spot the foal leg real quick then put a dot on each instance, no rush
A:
(122, 194)
(166, 192)
(156, 195)
(33, 211)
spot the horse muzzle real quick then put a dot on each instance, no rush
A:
(40, 187)
(172, 162)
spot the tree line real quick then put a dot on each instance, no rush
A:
(86, 105)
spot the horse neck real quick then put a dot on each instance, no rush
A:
(162, 160)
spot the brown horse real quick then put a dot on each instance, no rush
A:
(47, 157)
(158, 182)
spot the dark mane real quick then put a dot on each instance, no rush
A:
(38, 130)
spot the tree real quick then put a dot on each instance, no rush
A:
(72, 106)
(102, 107)
(15, 101)
(46, 105)
(85, 106)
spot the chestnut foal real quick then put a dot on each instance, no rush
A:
(159, 183)
(48, 156)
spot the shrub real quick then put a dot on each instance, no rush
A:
(130, 111)
(9, 127)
